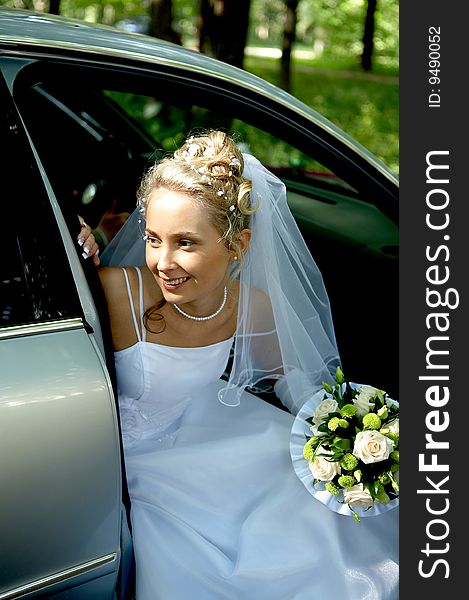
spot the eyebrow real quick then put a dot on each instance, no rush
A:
(179, 234)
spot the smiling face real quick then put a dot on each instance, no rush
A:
(185, 252)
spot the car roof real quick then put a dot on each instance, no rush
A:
(39, 33)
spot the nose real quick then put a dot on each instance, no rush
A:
(162, 258)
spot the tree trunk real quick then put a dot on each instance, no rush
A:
(368, 35)
(161, 13)
(54, 7)
(289, 35)
(223, 29)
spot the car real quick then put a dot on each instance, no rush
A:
(84, 110)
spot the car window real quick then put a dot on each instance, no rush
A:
(95, 140)
(168, 124)
(92, 153)
(35, 280)
(98, 132)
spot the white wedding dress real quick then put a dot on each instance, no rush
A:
(218, 512)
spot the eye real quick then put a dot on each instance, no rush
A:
(186, 243)
(152, 240)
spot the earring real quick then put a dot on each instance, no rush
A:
(235, 257)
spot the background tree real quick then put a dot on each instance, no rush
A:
(223, 29)
(368, 35)
(289, 35)
(54, 7)
(161, 23)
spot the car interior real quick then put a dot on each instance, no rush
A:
(96, 132)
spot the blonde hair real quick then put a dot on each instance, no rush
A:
(208, 167)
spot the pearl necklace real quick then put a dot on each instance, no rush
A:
(218, 311)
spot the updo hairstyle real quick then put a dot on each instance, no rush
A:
(208, 167)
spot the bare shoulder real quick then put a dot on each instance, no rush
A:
(119, 303)
(257, 297)
(110, 276)
(113, 279)
(260, 297)
(260, 309)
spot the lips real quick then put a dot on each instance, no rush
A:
(172, 284)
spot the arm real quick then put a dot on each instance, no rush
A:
(118, 305)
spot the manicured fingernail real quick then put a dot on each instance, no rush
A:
(84, 255)
(97, 252)
(81, 241)
(86, 249)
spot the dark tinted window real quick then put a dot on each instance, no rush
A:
(35, 278)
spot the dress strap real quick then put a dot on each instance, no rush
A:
(129, 292)
(140, 297)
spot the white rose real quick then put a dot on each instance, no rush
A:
(323, 469)
(393, 426)
(328, 405)
(362, 400)
(372, 446)
(358, 496)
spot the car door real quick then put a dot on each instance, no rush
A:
(60, 462)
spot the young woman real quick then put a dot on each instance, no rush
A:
(212, 271)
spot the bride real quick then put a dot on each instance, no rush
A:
(211, 290)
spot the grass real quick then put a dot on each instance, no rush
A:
(365, 105)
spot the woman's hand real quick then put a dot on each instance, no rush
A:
(87, 241)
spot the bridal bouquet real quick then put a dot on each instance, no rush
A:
(354, 449)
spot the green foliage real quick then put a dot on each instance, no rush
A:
(366, 106)
(330, 80)
(330, 29)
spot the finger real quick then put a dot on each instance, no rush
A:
(90, 247)
(84, 234)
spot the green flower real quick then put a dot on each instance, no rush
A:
(395, 456)
(358, 475)
(348, 410)
(348, 462)
(308, 452)
(347, 481)
(371, 421)
(332, 489)
(384, 478)
(333, 423)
